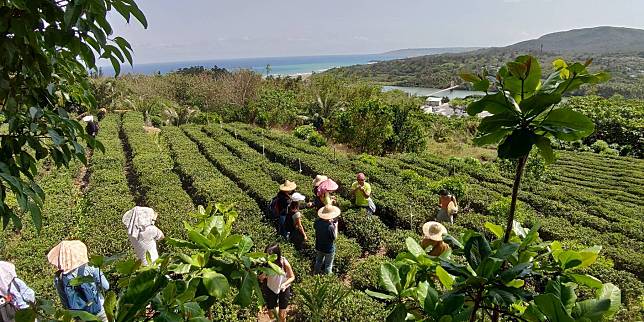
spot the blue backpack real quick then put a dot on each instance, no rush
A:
(83, 297)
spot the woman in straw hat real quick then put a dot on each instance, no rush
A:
(142, 232)
(317, 202)
(326, 232)
(433, 235)
(15, 294)
(282, 199)
(70, 258)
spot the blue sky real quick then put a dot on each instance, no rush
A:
(212, 29)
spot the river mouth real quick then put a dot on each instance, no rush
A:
(435, 92)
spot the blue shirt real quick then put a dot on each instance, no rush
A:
(324, 236)
(99, 279)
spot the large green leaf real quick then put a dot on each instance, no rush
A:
(490, 138)
(532, 236)
(551, 306)
(568, 125)
(413, 247)
(489, 267)
(140, 291)
(564, 291)
(444, 277)
(545, 148)
(493, 103)
(569, 259)
(589, 256)
(538, 103)
(398, 314)
(493, 123)
(506, 250)
(591, 309)
(497, 230)
(390, 278)
(516, 145)
(427, 296)
(517, 271)
(216, 283)
(379, 295)
(585, 279)
(455, 269)
(476, 250)
(612, 293)
(532, 80)
(503, 295)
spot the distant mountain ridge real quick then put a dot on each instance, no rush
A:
(599, 40)
(415, 52)
(617, 50)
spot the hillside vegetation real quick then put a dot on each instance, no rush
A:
(624, 61)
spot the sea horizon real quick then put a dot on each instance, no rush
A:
(279, 65)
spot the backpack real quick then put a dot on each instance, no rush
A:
(286, 223)
(289, 223)
(92, 128)
(7, 309)
(82, 297)
(274, 208)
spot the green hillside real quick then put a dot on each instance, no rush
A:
(619, 51)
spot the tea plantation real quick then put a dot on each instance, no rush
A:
(588, 199)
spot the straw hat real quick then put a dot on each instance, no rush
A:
(68, 255)
(298, 197)
(434, 230)
(319, 179)
(328, 212)
(288, 186)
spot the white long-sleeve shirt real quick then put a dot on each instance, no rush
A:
(147, 242)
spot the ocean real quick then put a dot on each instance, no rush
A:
(278, 65)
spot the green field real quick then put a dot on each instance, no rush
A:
(589, 199)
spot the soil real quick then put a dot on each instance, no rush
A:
(82, 180)
(264, 317)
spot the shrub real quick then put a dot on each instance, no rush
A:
(316, 139)
(303, 132)
(368, 159)
(325, 298)
(599, 146)
(206, 118)
(455, 185)
(365, 274)
(610, 151)
(346, 251)
(156, 121)
(501, 208)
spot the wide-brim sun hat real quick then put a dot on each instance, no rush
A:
(319, 179)
(327, 185)
(329, 212)
(298, 197)
(434, 230)
(68, 255)
(288, 186)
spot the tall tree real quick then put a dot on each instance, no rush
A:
(47, 46)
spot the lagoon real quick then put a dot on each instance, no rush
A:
(436, 92)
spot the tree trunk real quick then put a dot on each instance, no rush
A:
(515, 192)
